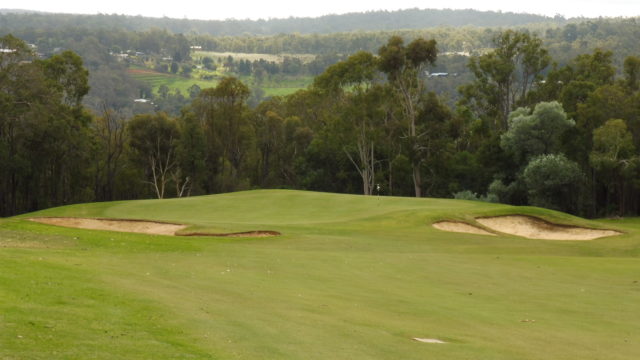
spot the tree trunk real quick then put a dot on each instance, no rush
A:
(417, 180)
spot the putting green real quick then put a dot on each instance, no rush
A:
(351, 277)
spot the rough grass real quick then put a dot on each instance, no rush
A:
(352, 277)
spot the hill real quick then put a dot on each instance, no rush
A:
(367, 21)
(351, 277)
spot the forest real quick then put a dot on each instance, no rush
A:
(548, 116)
(366, 21)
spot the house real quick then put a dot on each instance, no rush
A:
(439, 74)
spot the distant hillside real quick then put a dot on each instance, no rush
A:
(19, 11)
(13, 20)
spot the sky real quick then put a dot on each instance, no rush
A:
(265, 9)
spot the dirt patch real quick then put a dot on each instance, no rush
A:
(122, 225)
(461, 227)
(536, 228)
(23, 245)
(141, 226)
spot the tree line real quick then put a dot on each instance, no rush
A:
(110, 83)
(526, 130)
(367, 21)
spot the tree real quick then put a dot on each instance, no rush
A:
(223, 113)
(208, 63)
(351, 83)
(163, 91)
(174, 67)
(614, 158)
(191, 156)
(553, 182)
(270, 138)
(404, 67)
(535, 133)
(604, 103)
(110, 138)
(194, 90)
(68, 76)
(531, 134)
(632, 72)
(44, 135)
(573, 83)
(504, 76)
(153, 142)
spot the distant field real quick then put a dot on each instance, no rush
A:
(280, 86)
(156, 79)
(305, 58)
(351, 277)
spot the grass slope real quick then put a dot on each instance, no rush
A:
(352, 277)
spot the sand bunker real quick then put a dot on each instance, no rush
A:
(461, 227)
(135, 226)
(139, 226)
(429, 341)
(535, 228)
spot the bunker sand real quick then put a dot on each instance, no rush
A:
(536, 228)
(140, 226)
(526, 226)
(135, 226)
(461, 227)
(429, 341)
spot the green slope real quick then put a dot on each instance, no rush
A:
(352, 277)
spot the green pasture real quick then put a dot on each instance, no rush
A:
(271, 87)
(278, 58)
(173, 82)
(351, 277)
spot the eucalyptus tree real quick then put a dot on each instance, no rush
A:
(504, 76)
(270, 137)
(632, 72)
(153, 139)
(223, 114)
(44, 134)
(404, 66)
(615, 160)
(355, 85)
(110, 141)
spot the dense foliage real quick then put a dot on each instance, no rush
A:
(528, 127)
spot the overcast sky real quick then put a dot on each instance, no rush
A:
(264, 9)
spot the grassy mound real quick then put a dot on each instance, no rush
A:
(350, 277)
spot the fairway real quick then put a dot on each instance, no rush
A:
(349, 277)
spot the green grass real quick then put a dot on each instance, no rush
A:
(352, 277)
(305, 58)
(277, 86)
(156, 79)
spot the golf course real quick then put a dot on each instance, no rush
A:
(284, 274)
